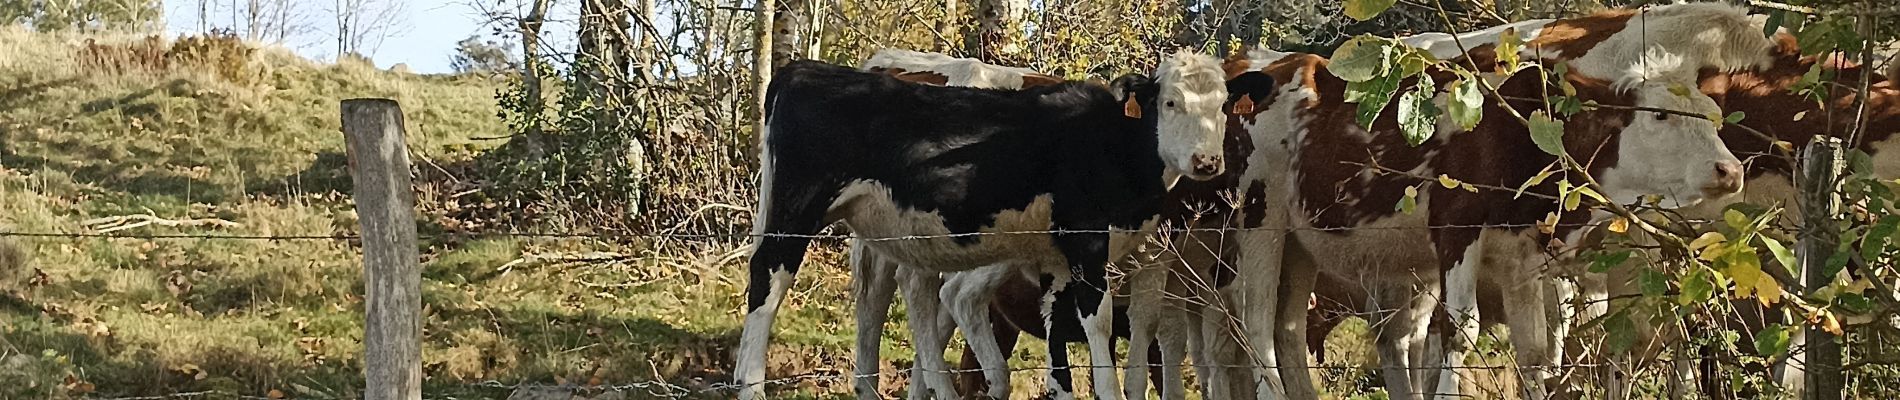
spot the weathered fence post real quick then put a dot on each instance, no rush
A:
(385, 208)
(1821, 176)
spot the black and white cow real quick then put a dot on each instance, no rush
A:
(944, 179)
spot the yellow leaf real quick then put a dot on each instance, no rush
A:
(1468, 187)
(1620, 225)
(275, 394)
(1549, 224)
(1831, 324)
(1447, 182)
(1706, 240)
(1714, 251)
(1784, 145)
(1858, 286)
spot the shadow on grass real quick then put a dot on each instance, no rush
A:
(15, 95)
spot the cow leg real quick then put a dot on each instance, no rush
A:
(930, 330)
(874, 284)
(782, 227)
(1529, 332)
(970, 377)
(1298, 279)
(1087, 255)
(1257, 274)
(1060, 383)
(1145, 288)
(967, 296)
(1173, 335)
(1461, 302)
(1400, 330)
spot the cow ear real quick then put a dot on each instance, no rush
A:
(1130, 86)
(1249, 89)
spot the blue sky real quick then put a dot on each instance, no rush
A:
(425, 43)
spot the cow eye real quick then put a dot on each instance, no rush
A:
(1662, 116)
(1170, 103)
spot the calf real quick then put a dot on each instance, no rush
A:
(878, 277)
(967, 296)
(1054, 181)
(1341, 209)
(1772, 106)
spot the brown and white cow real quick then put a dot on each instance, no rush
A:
(1768, 98)
(1341, 212)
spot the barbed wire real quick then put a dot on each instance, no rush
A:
(634, 235)
(659, 388)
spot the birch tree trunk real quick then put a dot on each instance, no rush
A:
(788, 24)
(762, 50)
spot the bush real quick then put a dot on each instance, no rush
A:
(148, 55)
(222, 52)
(475, 56)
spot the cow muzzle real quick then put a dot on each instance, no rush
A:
(1207, 166)
(1727, 180)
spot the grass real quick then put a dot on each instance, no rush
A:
(97, 317)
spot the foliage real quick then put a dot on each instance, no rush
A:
(83, 15)
(476, 56)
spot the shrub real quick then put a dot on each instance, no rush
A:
(222, 52)
(148, 55)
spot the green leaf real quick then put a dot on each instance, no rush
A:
(1697, 287)
(1547, 133)
(1855, 303)
(1604, 261)
(1413, 61)
(1772, 340)
(1410, 201)
(1736, 220)
(1781, 253)
(1860, 163)
(1508, 46)
(1418, 117)
(1361, 59)
(1366, 9)
(1467, 103)
(1735, 117)
(1620, 332)
(1654, 283)
(1372, 97)
(1774, 23)
(1679, 90)
(1874, 243)
(1539, 178)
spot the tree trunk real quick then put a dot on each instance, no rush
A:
(997, 31)
(643, 46)
(762, 50)
(788, 24)
(604, 45)
(946, 26)
(530, 29)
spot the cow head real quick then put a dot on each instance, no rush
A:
(1186, 100)
(1675, 156)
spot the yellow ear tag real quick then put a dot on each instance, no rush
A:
(1244, 106)
(1131, 108)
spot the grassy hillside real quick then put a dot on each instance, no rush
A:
(220, 130)
(125, 126)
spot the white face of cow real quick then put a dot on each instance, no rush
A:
(1191, 90)
(1678, 157)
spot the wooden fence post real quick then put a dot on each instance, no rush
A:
(385, 208)
(1825, 162)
